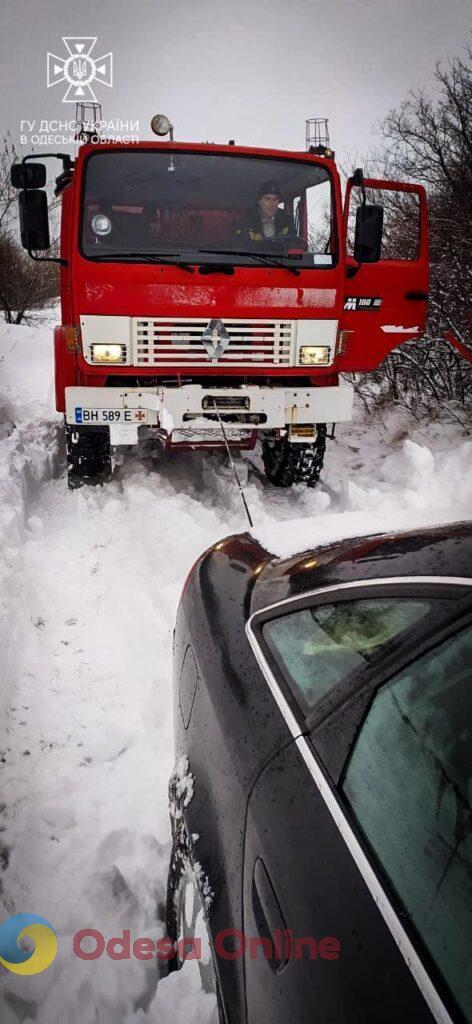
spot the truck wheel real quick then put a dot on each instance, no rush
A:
(286, 463)
(88, 455)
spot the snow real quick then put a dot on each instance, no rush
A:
(182, 785)
(89, 586)
(431, 489)
(395, 329)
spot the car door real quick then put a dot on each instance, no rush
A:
(408, 787)
(385, 302)
(316, 947)
(309, 869)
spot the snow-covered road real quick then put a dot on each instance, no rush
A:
(89, 586)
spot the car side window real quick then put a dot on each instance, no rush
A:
(316, 647)
(408, 785)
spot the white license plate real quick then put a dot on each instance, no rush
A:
(94, 416)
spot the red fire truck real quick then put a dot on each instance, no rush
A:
(210, 289)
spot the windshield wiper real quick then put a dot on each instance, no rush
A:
(128, 254)
(144, 257)
(266, 258)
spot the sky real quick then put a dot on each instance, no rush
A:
(252, 71)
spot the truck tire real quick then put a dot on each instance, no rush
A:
(286, 463)
(88, 455)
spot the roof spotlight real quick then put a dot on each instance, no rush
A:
(161, 125)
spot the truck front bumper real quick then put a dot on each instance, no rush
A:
(190, 412)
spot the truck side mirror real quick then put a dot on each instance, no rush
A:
(28, 175)
(368, 234)
(34, 223)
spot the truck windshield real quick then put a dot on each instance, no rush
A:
(205, 208)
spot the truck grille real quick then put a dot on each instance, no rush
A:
(166, 341)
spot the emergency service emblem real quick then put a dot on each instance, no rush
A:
(79, 69)
(215, 338)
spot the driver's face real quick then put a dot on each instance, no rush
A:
(269, 204)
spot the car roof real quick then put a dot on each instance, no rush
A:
(444, 551)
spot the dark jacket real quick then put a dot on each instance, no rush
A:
(250, 228)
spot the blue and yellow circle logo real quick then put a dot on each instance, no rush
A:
(28, 944)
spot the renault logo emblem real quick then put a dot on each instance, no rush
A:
(215, 338)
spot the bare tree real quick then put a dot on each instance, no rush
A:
(430, 141)
(8, 194)
(26, 286)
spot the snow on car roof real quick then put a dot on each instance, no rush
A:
(291, 537)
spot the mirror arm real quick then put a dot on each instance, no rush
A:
(67, 162)
(48, 259)
(358, 180)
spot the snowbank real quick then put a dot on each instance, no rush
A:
(431, 490)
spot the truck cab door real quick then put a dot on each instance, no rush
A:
(385, 301)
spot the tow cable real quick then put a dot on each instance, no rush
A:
(241, 491)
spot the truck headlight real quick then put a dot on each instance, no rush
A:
(108, 353)
(314, 355)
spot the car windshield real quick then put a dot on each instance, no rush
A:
(208, 208)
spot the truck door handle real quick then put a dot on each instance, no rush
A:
(416, 296)
(268, 915)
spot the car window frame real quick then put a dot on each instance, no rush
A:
(445, 588)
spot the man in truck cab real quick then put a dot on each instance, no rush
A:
(266, 222)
